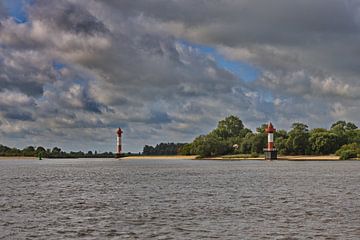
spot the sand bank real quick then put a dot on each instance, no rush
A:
(160, 157)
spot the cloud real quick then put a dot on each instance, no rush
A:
(9, 99)
(286, 36)
(82, 68)
(21, 116)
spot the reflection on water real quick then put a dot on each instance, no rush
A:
(179, 199)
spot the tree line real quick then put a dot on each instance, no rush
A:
(163, 149)
(56, 152)
(232, 137)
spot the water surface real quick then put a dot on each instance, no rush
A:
(179, 199)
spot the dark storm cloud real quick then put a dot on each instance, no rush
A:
(22, 116)
(318, 37)
(158, 117)
(236, 22)
(31, 88)
(68, 17)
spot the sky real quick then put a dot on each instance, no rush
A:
(73, 71)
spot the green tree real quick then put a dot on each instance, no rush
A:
(262, 128)
(15, 152)
(298, 141)
(345, 131)
(209, 146)
(300, 127)
(246, 144)
(163, 149)
(345, 126)
(56, 150)
(4, 150)
(349, 151)
(354, 136)
(40, 150)
(258, 143)
(350, 126)
(323, 142)
(339, 124)
(185, 149)
(29, 151)
(280, 141)
(280, 144)
(148, 150)
(229, 127)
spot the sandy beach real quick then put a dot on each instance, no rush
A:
(192, 157)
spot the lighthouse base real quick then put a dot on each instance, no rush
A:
(270, 154)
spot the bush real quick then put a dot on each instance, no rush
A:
(210, 146)
(348, 151)
(347, 154)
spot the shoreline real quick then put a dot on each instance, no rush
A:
(285, 158)
(195, 157)
(234, 158)
(178, 157)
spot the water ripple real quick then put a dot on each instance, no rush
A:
(178, 199)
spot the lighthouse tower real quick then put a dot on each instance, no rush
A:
(118, 142)
(270, 151)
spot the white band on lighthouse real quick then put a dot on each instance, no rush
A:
(270, 137)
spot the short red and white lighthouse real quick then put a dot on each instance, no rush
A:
(270, 151)
(118, 142)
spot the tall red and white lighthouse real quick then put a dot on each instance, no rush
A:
(118, 142)
(270, 151)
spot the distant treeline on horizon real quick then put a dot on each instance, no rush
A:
(232, 137)
(56, 152)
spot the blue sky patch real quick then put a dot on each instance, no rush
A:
(17, 9)
(243, 70)
(58, 65)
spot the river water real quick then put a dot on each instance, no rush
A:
(179, 199)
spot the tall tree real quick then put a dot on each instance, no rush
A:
(323, 142)
(298, 141)
(229, 127)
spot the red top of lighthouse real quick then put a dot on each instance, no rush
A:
(119, 132)
(270, 128)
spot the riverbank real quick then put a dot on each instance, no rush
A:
(239, 158)
(220, 158)
(280, 158)
(192, 157)
(310, 158)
